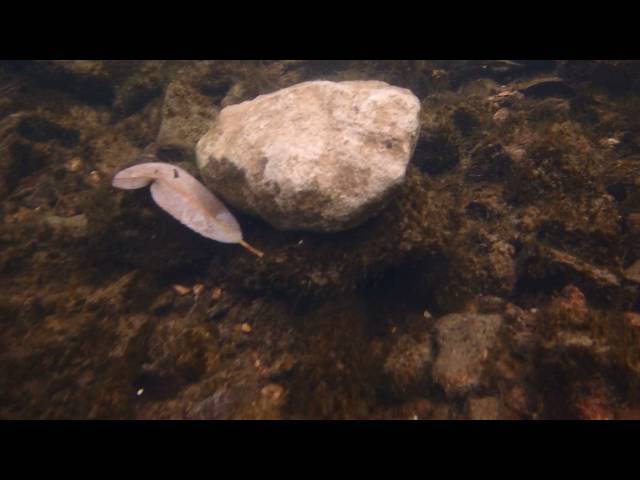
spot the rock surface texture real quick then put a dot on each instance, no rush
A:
(317, 156)
(465, 342)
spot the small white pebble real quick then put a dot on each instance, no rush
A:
(140, 392)
(534, 310)
(427, 314)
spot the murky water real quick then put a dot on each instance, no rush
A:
(500, 280)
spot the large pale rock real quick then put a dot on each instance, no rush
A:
(319, 156)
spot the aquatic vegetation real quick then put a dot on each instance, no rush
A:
(185, 199)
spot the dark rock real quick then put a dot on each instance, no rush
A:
(617, 76)
(490, 163)
(187, 115)
(546, 87)
(436, 154)
(464, 121)
(38, 129)
(88, 80)
(145, 84)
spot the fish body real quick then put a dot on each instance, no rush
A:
(184, 198)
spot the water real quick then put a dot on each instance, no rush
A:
(501, 280)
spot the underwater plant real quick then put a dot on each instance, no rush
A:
(185, 199)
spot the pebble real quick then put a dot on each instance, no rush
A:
(181, 289)
(245, 327)
(273, 391)
(95, 177)
(501, 115)
(198, 289)
(609, 142)
(74, 165)
(216, 293)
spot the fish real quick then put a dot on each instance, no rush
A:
(184, 198)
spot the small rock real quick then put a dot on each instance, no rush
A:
(237, 93)
(198, 289)
(609, 142)
(74, 165)
(181, 289)
(464, 343)
(245, 327)
(318, 156)
(407, 365)
(273, 391)
(573, 302)
(95, 177)
(216, 293)
(501, 115)
(506, 98)
(140, 88)
(186, 116)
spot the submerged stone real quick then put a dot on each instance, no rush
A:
(464, 343)
(318, 156)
